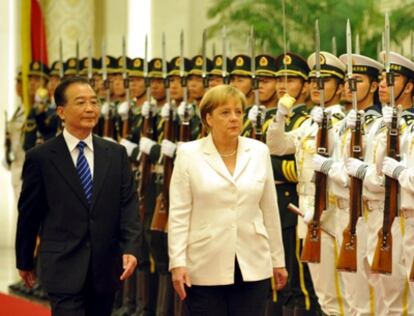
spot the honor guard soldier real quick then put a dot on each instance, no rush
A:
(13, 151)
(38, 77)
(302, 142)
(176, 90)
(71, 67)
(394, 297)
(265, 74)
(357, 291)
(54, 80)
(298, 297)
(216, 76)
(96, 83)
(151, 146)
(241, 78)
(195, 82)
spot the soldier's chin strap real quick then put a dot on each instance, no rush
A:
(402, 90)
(270, 98)
(333, 95)
(300, 90)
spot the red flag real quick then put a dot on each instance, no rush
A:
(38, 33)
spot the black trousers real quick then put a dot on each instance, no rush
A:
(241, 298)
(88, 302)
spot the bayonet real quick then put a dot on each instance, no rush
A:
(284, 41)
(125, 75)
(334, 49)
(183, 75)
(357, 49)
(90, 74)
(390, 74)
(203, 51)
(77, 57)
(412, 46)
(146, 78)
(320, 81)
(61, 70)
(165, 70)
(224, 65)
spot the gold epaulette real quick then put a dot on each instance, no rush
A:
(289, 170)
(336, 117)
(300, 120)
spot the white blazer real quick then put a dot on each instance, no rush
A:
(215, 216)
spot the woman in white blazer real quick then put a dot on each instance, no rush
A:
(224, 233)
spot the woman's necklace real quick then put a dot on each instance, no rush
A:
(228, 155)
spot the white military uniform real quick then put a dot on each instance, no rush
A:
(406, 180)
(395, 297)
(357, 291)
(15, 129)
(302, 142)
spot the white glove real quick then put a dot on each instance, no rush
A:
(146, 144)
(168, 148)
(123, 110)
(392, 167)
(284, 107)
(308, 216)
(321, 163)
(317, 114)
(182, 108)
(387, 114)
(105, 109)
(253, 112)
(350, 120)
(129, 146)
(145, 109)
(356, 168)
(165, 111)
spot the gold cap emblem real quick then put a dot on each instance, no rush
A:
(263, 61)
(137, 62)
(72, 63)
(287, 60)
(36, 66)
(239, 61)
(199, 61)
(219, 61)
(157, 64)
(178, 62)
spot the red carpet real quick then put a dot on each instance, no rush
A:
(16, 306)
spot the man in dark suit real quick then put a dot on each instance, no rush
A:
(79, 195)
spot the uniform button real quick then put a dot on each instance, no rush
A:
(287, 193)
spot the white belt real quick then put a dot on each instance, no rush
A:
(375, 205)
(407, 213)
(342, 203)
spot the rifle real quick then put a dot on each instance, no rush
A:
(412, 272)
(125, 123)
(108, 129)
(160, 217)
(90, 64)
(257, 132)
(347, 260)
(147, 131)
(312, 247)
(382, 262)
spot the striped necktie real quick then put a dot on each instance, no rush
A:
(84, 172)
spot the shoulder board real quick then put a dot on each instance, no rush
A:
(298, 122)
(408, 117)
(371, 116)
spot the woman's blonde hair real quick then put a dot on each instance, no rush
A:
(217, 96)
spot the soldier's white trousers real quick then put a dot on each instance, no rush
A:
(357, 291)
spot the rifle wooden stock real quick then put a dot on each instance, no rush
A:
(347, 260)
(311, 251)
(125, 128)
(382, 262)
(145, 167)
(294, 209)
(160, 217)
(412, 272)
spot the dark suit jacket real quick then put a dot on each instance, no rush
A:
(75, 237)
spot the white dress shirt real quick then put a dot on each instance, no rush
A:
(72, 142)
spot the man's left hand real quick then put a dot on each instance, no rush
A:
(129, 263)
(280, 276)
